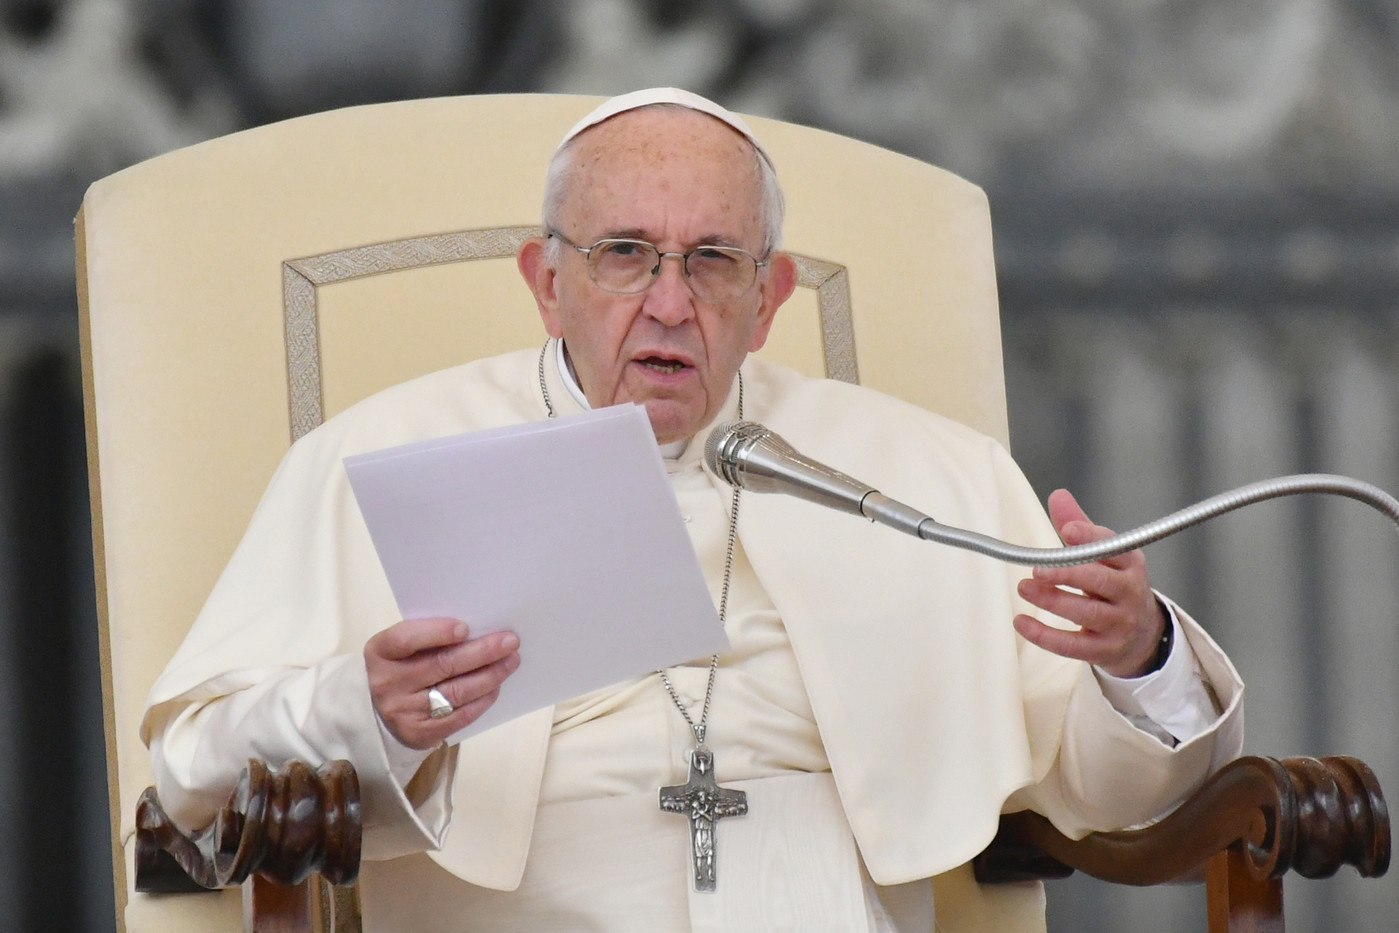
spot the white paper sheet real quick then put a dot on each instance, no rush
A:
(564, 531)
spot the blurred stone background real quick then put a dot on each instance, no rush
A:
(1196, 207)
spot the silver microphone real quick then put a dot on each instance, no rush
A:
(749, 456)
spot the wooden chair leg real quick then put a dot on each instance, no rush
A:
(313, 906)
(339, 907)
(269, 907)
(1237, 901)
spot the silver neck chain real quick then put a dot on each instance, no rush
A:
(701, 727)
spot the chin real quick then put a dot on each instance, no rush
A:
(668, 426)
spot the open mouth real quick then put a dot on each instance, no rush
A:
(659, 365)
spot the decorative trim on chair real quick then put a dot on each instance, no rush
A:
(832, 284)
(302, 277)
(303, 350)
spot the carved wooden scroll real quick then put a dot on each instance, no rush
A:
(1299, 814)
(280, 825)
(1247, 826)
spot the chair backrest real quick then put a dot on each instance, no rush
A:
(236, 292)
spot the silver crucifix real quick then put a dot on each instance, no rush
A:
(705, 803)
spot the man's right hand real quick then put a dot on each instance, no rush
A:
(406, 660)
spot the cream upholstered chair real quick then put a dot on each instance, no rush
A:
(237, 292)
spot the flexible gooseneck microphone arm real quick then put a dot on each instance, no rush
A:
(747, 455)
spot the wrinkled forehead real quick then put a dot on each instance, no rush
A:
(670, 162)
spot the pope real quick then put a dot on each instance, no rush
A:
(882, 702)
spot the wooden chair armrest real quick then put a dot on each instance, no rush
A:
(280, 825)
(1296, 814)
(1246, 827)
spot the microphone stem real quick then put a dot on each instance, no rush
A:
(880, 508)
(748, 455)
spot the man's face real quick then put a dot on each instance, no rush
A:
(678, 179)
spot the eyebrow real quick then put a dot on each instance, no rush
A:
(636, 233)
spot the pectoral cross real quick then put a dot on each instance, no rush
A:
(705, 803)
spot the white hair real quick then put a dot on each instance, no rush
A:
(559, 176)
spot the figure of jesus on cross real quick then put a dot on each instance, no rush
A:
(705, 803)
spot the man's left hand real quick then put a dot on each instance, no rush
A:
(1120, 621)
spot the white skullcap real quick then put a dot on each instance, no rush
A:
(664, 95)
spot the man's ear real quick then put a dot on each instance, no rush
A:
(534, 267)
(777, 286)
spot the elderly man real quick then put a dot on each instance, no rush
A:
(881, 703)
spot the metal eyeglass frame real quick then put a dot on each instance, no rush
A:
(758, 264)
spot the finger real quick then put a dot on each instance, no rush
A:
(408, 713)
(1083, 532)
(411, 636)
(1087, 612)
(390, 656)
(1055, 640)
(462, 716)
(1075, 527)
(1064, 508)
(398, 688)
(467, 690)
(1075, 533)
(1071, 522)
(1105, 650)
(435, 667)
(1118, 581)
(418, 729)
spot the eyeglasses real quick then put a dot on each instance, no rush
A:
(628, 267)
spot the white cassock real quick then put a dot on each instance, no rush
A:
(877, 706)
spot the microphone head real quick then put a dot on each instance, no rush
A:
(747, 455)
(726, 446)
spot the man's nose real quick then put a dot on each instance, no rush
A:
(669, 299)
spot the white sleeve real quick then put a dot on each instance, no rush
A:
(404, 762)
(1171, 703)
(316, 714)
(1086, 789)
